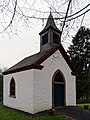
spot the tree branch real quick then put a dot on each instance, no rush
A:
(12, 17)
(66, 15)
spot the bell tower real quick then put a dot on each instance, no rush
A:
(50, 35)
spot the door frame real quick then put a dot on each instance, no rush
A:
(53, 78)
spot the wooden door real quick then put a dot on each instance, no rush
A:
(58, 98)
(58, 95)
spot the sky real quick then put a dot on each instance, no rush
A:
(15, 49)
(26, 41)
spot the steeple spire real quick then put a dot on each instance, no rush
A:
(50, 24)
(50, 35)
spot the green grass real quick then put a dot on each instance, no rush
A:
(82, 105)
(6, 114)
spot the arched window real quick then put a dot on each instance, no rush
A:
(58, 77)
(12, 87)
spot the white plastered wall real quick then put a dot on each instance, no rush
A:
(34, 87)
(24, 91)
(42, 86)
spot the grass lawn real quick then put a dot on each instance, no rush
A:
(6, 114)
(82, 105)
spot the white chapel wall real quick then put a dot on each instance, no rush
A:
(24, 91)
(34, 87)
(43, 83)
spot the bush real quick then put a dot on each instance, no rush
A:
(83, 101)
(86, 106)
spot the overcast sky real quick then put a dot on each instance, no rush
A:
(14, 49)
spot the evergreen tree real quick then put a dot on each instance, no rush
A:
(79, 53)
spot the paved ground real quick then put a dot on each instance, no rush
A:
(75, 113)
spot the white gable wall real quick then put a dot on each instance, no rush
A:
(24, 91)
(43, 83)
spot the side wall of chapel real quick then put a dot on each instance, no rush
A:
(24, 91)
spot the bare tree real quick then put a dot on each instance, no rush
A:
(69, 14)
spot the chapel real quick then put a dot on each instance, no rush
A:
(44, 80)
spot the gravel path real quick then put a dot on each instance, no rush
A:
(75, 113)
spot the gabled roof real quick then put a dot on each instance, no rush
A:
(34, 61)
(50, 24)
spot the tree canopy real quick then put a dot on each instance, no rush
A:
(79, 53)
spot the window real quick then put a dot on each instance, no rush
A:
(12, 87)
(56, 38)
(58, 77)
(45, 39)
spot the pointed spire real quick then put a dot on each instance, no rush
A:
(50, 23)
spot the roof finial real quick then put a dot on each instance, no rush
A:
(50, 9)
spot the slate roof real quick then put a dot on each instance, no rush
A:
(50, 23)
(34, 61)
(29, 60)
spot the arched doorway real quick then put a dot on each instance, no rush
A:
(58, 89)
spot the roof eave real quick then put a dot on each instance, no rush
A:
(50, 27)
(37, 64)
(67, 59)
(74, 73)
(32, 66)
